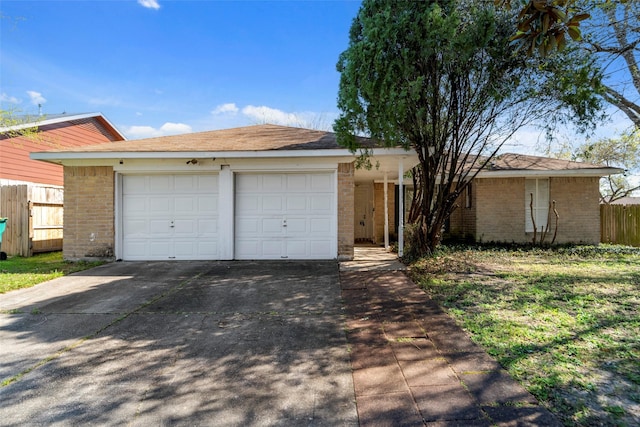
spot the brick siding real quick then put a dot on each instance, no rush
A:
(88, 213)
(578, 205)
(346, 198)
(500, 210)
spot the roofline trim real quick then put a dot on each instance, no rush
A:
(599, 172)
(267, 154)
(63, 119)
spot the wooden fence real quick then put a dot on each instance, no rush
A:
(35, 219)
(620, 224)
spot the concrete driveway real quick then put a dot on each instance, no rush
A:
(178, 343)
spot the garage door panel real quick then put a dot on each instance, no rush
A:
(320, 225)
(207, 227)
(208, 204)
(271, 226)
(159, 204)
(283, 212)
(297, 183)
(322, 182)
(136, 205)
(184, 228)
(160, 248)
(247, 204)
(185, 204)
(159, 227)
(321, 203)
(135, 185)
(271, 203)
(273, 182)
(135, 228)
(319, 248)
(272, 249)
(296, 226)
(170, 217)
(247, 226)
(159, 183)
(297, 203)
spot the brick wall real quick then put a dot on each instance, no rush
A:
(500, 215)
(346, 198)
(462, 222)
(378, 219)
(88, 212)
(578, 205)
(500, 210)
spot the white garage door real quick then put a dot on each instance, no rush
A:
(170, 217)
(285, 215)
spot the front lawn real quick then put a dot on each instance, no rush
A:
(564, 322)
(18, 272)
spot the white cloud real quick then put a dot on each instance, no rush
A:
(10, 99)
(149, 4)
(225, 108)
(263, 114)
(175, 128)
(36, 97)
(137, 132)
(305, 119)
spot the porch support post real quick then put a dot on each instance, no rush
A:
(386, 213)
(400, 208)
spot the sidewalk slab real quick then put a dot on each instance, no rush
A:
(440, 379)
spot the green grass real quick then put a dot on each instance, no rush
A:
(18, 272)
(564, 322)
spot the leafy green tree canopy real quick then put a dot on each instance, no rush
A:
(443, 78)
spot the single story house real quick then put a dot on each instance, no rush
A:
(276, 192)
(256, 192)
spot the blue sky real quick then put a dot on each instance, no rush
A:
(155, 67)
(159, 67)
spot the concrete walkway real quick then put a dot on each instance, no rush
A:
(413, 366)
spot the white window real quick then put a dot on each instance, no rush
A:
(539, 189)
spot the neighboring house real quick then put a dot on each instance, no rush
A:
(629, 200)
(53, 132)
(498, 205)
(31, 193)
(275, 192)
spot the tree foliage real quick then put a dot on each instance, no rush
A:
(443, 78)
(13, 125)
(622, 152)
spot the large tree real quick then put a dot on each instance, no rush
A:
(442, 78)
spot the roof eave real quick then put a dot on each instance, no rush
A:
(60, 157)
(599, 172)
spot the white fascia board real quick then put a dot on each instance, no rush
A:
(550, 173)
(61, 157)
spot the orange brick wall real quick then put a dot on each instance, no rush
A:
(88, 212)
(378, 196)
(346, 199)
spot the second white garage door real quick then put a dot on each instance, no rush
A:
(285, 216)
(170, 217)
